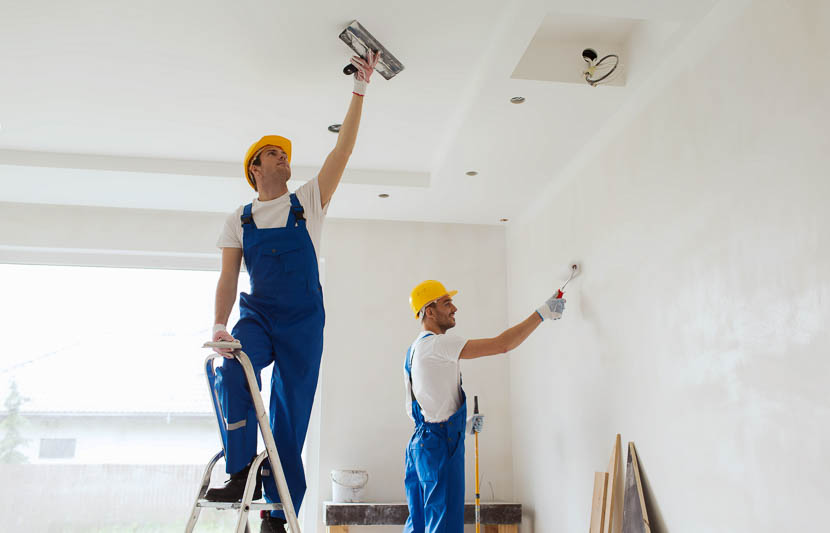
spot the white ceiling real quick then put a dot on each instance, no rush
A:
(152, 104)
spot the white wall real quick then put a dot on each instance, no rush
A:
(370, 267)
(106, 236)
(698, 326)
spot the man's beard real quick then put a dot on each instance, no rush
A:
(446, 324)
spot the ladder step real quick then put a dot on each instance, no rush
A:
(255, 506)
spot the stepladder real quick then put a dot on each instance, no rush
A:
(246, 504)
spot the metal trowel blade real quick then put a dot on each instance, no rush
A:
(360, 40)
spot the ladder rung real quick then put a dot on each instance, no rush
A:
(255, 506)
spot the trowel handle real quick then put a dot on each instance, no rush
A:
(475, 405)
(349, 69)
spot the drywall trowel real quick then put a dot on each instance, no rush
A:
(360, 40)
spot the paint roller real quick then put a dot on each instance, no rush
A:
(574, 271)
(361, 41)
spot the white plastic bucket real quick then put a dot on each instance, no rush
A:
(347, 485)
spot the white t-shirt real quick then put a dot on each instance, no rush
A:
(274, 214)
(436, 377)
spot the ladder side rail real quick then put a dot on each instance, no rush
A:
(194, 514)
(270, 445)
(247, 496)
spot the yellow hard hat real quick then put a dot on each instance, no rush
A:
(426, 292)
(268, 140)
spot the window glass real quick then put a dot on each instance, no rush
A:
(105, 402)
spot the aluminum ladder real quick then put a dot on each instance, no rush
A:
(245, 505)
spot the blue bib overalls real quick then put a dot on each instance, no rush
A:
(434, 478)
(280, 321)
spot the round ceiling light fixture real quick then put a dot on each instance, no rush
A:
(383, 195)
(517, 100)
(471, 173)
(335, 128)
(503, 219)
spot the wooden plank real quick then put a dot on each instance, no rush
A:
(613, 495)
(635, 517)
(491, 528)
(598, 501)
(337, 529)
(508, 528)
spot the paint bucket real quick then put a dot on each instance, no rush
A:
(347, 485)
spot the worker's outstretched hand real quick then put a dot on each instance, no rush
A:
(365, 68)
(221, 334)
(552, 309)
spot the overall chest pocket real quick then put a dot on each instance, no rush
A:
(286, 258)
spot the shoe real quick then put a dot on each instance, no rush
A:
(234, 487)
(271, 524)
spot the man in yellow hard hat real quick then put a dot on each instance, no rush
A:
(282, 318)
(436, 403)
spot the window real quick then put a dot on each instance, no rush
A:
(56, 449)
(108, 370)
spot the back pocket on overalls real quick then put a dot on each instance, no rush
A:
(430, 453)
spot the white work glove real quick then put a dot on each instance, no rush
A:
(552, 308)
(475, 424)
(365, 68)
(221, 334)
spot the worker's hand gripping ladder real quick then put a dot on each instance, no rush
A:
(270, 452)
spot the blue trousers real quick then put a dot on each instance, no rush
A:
(434, 477)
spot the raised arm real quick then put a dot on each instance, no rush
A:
(511, 338)
(335, 164)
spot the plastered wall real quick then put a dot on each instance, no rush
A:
(698, 328)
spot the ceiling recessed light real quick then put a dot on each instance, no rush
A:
(383, 195)
(335, 128)
(517, 100)
(503, 220)
(472, 173)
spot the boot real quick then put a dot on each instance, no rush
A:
(234, 487)
(271, 524)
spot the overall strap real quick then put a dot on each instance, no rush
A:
(408, 364)
(296, 216)
(247, 216)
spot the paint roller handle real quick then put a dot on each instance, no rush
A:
(349, 69)
(559, 293)
(475, 405)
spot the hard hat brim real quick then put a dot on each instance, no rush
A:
(268, 140)
(449, 293)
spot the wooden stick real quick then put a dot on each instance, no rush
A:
(613, 522)
(598, 502)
